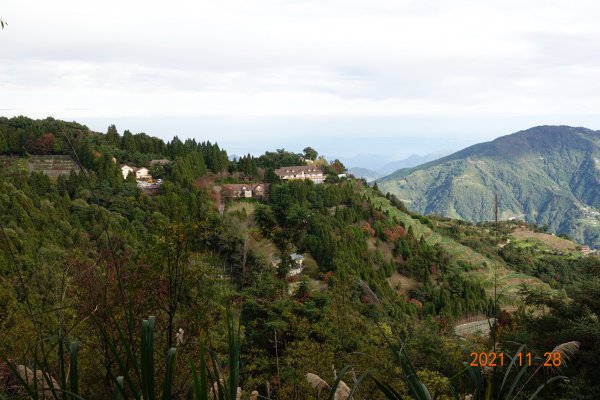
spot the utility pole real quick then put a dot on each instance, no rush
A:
(495, 270)
(495, 325)
(496, 213)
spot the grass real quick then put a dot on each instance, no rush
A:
(458, 251)
(138, 379)
(406, 283)
(239, 205)
(244, 212)
(12, 165)
(482, 267)
(544, 241)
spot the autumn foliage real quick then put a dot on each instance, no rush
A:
(394, 233)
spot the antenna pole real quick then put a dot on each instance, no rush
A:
(495, 270)
(496, 212)
(495, 325)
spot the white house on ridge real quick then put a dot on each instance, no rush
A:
(126, 170)
(313, 173)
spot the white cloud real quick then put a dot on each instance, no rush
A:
(331, 58)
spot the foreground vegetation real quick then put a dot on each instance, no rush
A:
(86, 259)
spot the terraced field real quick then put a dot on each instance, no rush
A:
(51, 165)
(481, 268)
(457, 250)
(553, 243)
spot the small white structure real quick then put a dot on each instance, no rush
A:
(296, 268)
(143, 173)
(585, 250)
(126, 170)
(298, 260)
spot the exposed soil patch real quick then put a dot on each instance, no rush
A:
(406, 283)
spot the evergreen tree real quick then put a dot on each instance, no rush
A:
(112, 136)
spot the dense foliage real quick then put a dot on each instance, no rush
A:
(85, 257)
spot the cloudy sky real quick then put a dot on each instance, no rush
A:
(390, 77)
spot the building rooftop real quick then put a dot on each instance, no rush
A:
(298, 169)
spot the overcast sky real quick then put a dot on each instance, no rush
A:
(391, 77)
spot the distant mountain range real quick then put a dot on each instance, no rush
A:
(547, 175)
(371, 166)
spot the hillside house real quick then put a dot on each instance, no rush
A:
(315, 174)
(585, 250)
(126, 170)
(142, 174)
(297, 266)
(298, 260)
(259, 190)
(236, 191)
(307, 160)
(243, 190)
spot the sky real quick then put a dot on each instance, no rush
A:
(347, 77)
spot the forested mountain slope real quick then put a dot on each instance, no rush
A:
(84, 257)
(547, 175)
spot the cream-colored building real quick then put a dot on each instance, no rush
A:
(301, 172)
(142, 173)
(126, 170)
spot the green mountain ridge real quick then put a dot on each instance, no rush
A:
(547, 175)
(85, 258)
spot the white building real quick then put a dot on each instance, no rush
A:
(585, 250)
(298, 260)
(126, 170)
(143, 173)
(297, 264)
(301, 172)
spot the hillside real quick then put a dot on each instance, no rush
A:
(546, 175)
(315, 275)
(481, 267)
